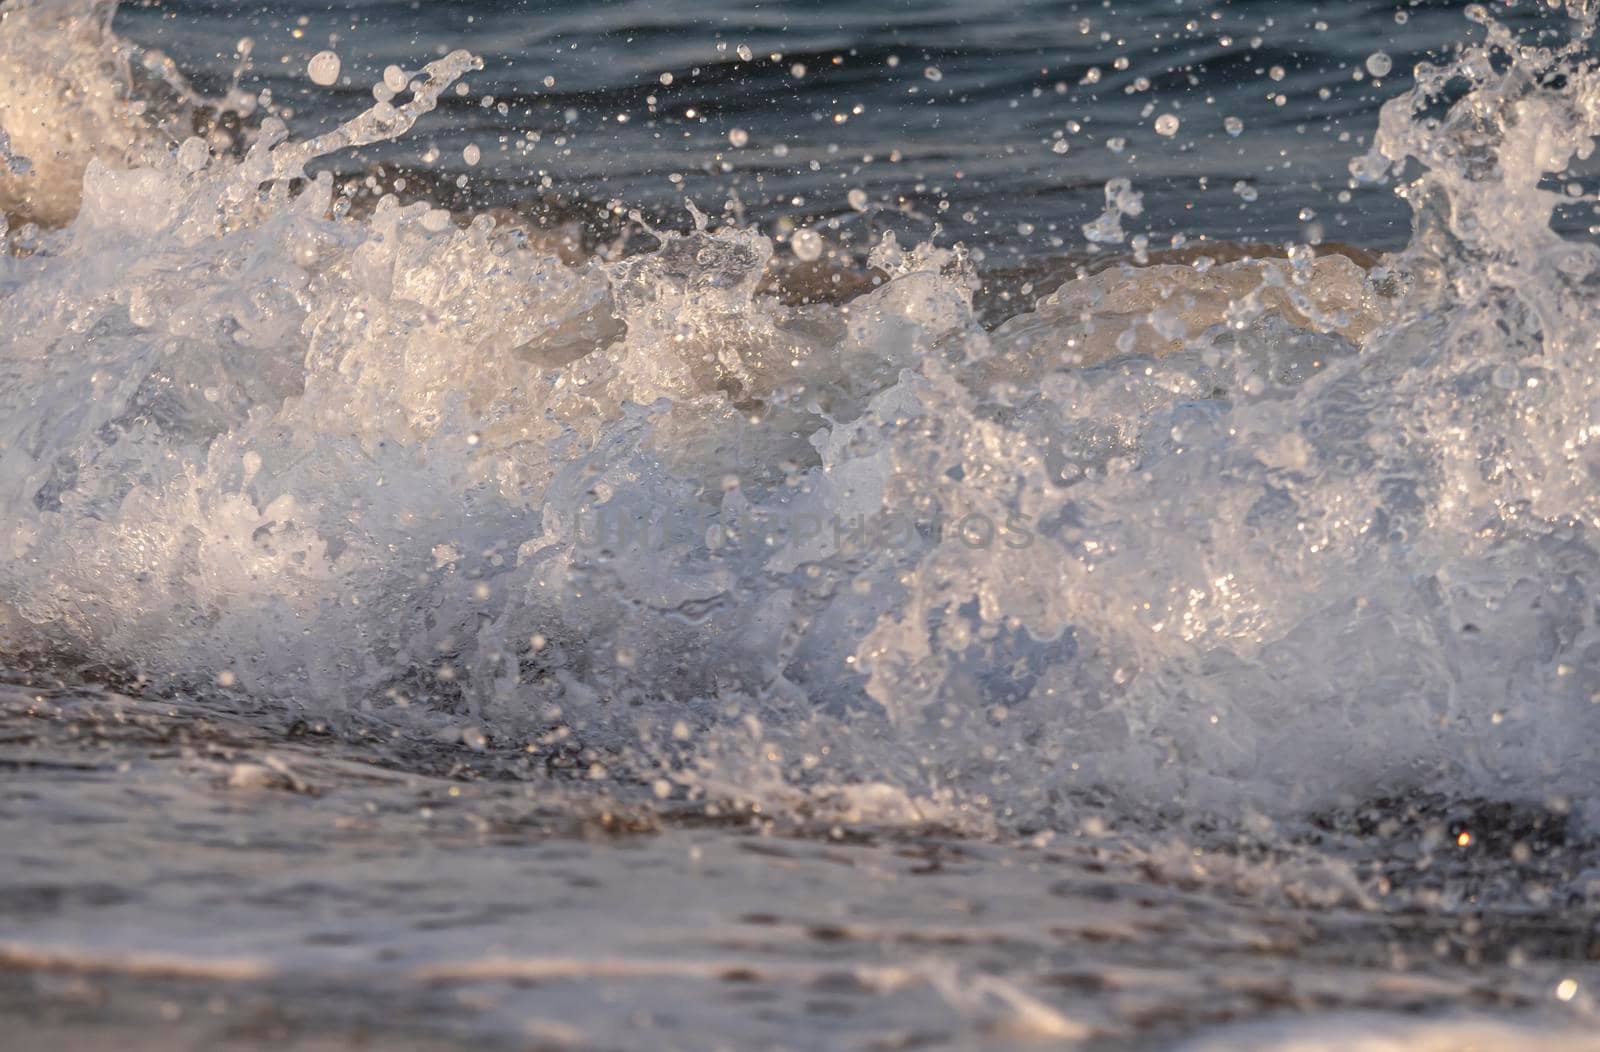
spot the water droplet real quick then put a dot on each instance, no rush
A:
(193, 154)
(857, 199)
(807, 245)
(933, 73)
(1060, 146)
(394, 78)
(1167, 125)
(1379, 64)
(745, 52)
(1233, 126)
(472, 155)
(738, 137)
(323, 69)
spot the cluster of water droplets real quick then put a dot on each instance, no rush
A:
(1251, 534)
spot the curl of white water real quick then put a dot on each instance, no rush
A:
(1257, 534)
(65, 100)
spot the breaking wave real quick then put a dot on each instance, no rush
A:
(1254, 534)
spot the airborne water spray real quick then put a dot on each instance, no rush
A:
(1294, 530)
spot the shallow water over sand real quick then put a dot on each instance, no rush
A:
(185, 878)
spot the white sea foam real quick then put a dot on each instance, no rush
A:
(1256, 534)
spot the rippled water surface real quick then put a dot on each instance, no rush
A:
(870, 526)
(181, 877)
(1001, 126)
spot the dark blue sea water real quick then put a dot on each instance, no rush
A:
(1001, 123)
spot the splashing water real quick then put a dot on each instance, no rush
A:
(1257, 534)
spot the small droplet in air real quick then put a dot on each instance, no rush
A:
(472, 155)
(1167, 125)
(745, 53)
(1060, 146)
(1379, 64)
(323, 69)
(1566, 989)
(394, 78)
(226, 678)
(933, 73)
(807, 245)
(1233, 126)
(739, 138)
(857, 199)
(193, 154)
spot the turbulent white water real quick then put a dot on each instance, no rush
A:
(1263, 534)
